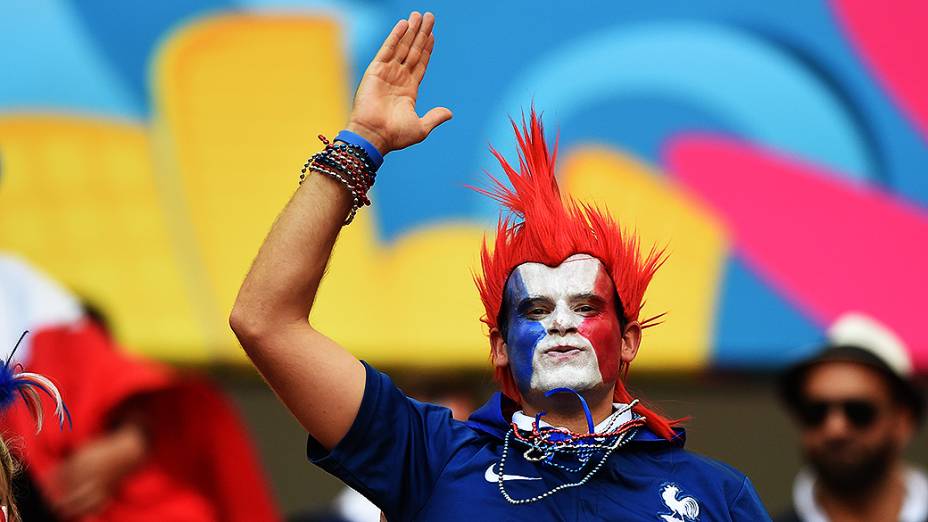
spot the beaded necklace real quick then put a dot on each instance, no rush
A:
(544, 444)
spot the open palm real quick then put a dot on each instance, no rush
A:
(384, 109)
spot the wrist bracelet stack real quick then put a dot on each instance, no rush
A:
(349, 163)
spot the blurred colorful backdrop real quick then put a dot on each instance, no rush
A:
(777, 148)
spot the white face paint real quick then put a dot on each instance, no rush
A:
(547, 331)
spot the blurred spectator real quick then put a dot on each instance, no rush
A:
(147, 444)
(857, 409)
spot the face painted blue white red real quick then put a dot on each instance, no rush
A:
(563, 328)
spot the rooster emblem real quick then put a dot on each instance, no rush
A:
(681, 509)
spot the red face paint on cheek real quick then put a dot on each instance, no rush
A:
(603, 330)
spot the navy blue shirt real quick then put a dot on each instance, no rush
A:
(417, 463)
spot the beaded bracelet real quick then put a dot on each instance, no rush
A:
(370, 151)
(350, 165)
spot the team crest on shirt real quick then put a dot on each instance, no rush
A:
(683, 508)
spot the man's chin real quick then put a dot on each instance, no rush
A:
(579, 379)
(851, 475)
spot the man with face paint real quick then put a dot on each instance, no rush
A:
(555, 314)
(563, 332)
(563, 288)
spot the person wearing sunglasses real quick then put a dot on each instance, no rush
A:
(857, 408)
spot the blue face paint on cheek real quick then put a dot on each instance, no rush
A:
(523, 334)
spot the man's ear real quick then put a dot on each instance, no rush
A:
(499, 351)
(631, 340)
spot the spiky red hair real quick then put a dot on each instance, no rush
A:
(545, 227)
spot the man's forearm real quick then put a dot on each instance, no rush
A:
(284, 278)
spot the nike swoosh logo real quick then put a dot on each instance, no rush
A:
(492, 476)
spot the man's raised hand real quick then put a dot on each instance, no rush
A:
(320, 382)
(384, 109)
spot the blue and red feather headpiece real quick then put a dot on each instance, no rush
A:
(26, 385)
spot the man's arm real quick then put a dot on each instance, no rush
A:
(318, 380)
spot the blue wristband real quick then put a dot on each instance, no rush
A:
(353, 139)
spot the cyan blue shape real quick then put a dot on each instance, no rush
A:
(756, 326)
(638, 125)
(50, 63)
(762, 92)
(126, 34)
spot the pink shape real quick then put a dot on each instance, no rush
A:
(892, 38)
(830, 245)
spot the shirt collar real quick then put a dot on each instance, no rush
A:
(621, 414)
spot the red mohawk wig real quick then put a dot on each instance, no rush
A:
(551, 229)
